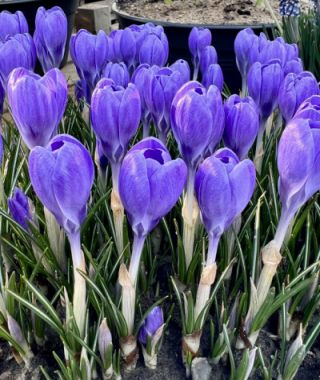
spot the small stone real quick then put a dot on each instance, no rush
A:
(200, 369)
(5, 375)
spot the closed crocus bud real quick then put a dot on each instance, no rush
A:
(37, 104)
(299, 166)
(241, 124)
(118, 72)
(310, 109)
(294, 90)
(150, 335)
(224, 186)
(242, 47)
(12, 24)
(213, 75)
(184, 69)
(105, 348)
(257, 46)
(154, 50)
(16, 51)
(124, 46)
(292, 51)
(50, 36)
(89, 53)
(55, 172)
(160, 89)
(115, 116)
(262, 89)
(192, 122)
(150, 184)
(208, 56)
(199, 38)
(273, 50)
(19, 208)
(293, 66)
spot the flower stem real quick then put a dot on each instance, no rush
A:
(195, 70)
(244, 86)
(79, 290)
(190, 213)
(259, 147)
(282, 228)
(145, 128)
(137, 248)
(117, 207)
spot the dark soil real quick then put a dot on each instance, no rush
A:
(202, 11)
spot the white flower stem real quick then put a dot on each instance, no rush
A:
(190, 213)
(258, 157)
(117, 207)
(145, 128)
(79, 290)
(244, 86)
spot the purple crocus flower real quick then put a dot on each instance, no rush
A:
(184, 69)
(242, 47)
(263, 90)
(115, 116)
(309, 109)
(12, 24)
(294, 89)
(16, 51)
(152, 323)
(256, 48)
(50, 36)
(199, 38)
(208, 56)
(241, 124)
(124, 46)
(118, 72)
(154, 50)
(19, 208)
(213, 75)
(37, 104)
(90, 54)
(82, 91)
(160, 89)
(223, 188)
(273, 50)
(299, 167)
(293, 66)
(150, 184)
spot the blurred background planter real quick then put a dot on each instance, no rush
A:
(29, 8)
(223, 37)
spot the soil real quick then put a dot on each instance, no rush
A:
(240, 12)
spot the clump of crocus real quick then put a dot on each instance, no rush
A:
(294, 90)
(298, 162)
(194, 121)
(213, 75)
(50, 36)
(118, 72)
(115, 116)
(241, 124)
(12, 24)
(105, 349)
(160, 88)
(150, 184)
(199, 38)
(37, 104)
(16, 51)
(223, 186)
(62, 175)
(265, 94)
(90, 54)
(150, 336)
(242, 47)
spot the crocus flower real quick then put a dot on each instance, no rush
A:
(294, 89)
(90, 54)
(208, 56)
(256, 48)
(105, 348)
(242, 47)
(160, 89)
(50, 36)
(213, 75)
(293, 66)
(16, 51)
(12, 24)
(154, 50)
(118, 72)
(184, 69)
(241, 124)
(19, 208)
(273, 50)
(199, 38)
(124, 46)
(62, 175)
(309, 109)
(292, 51)
(224, 186)
(263, 90)
(150, 184)
(37, 104)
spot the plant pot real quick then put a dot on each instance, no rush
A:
(223, 37)
(29, 9)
